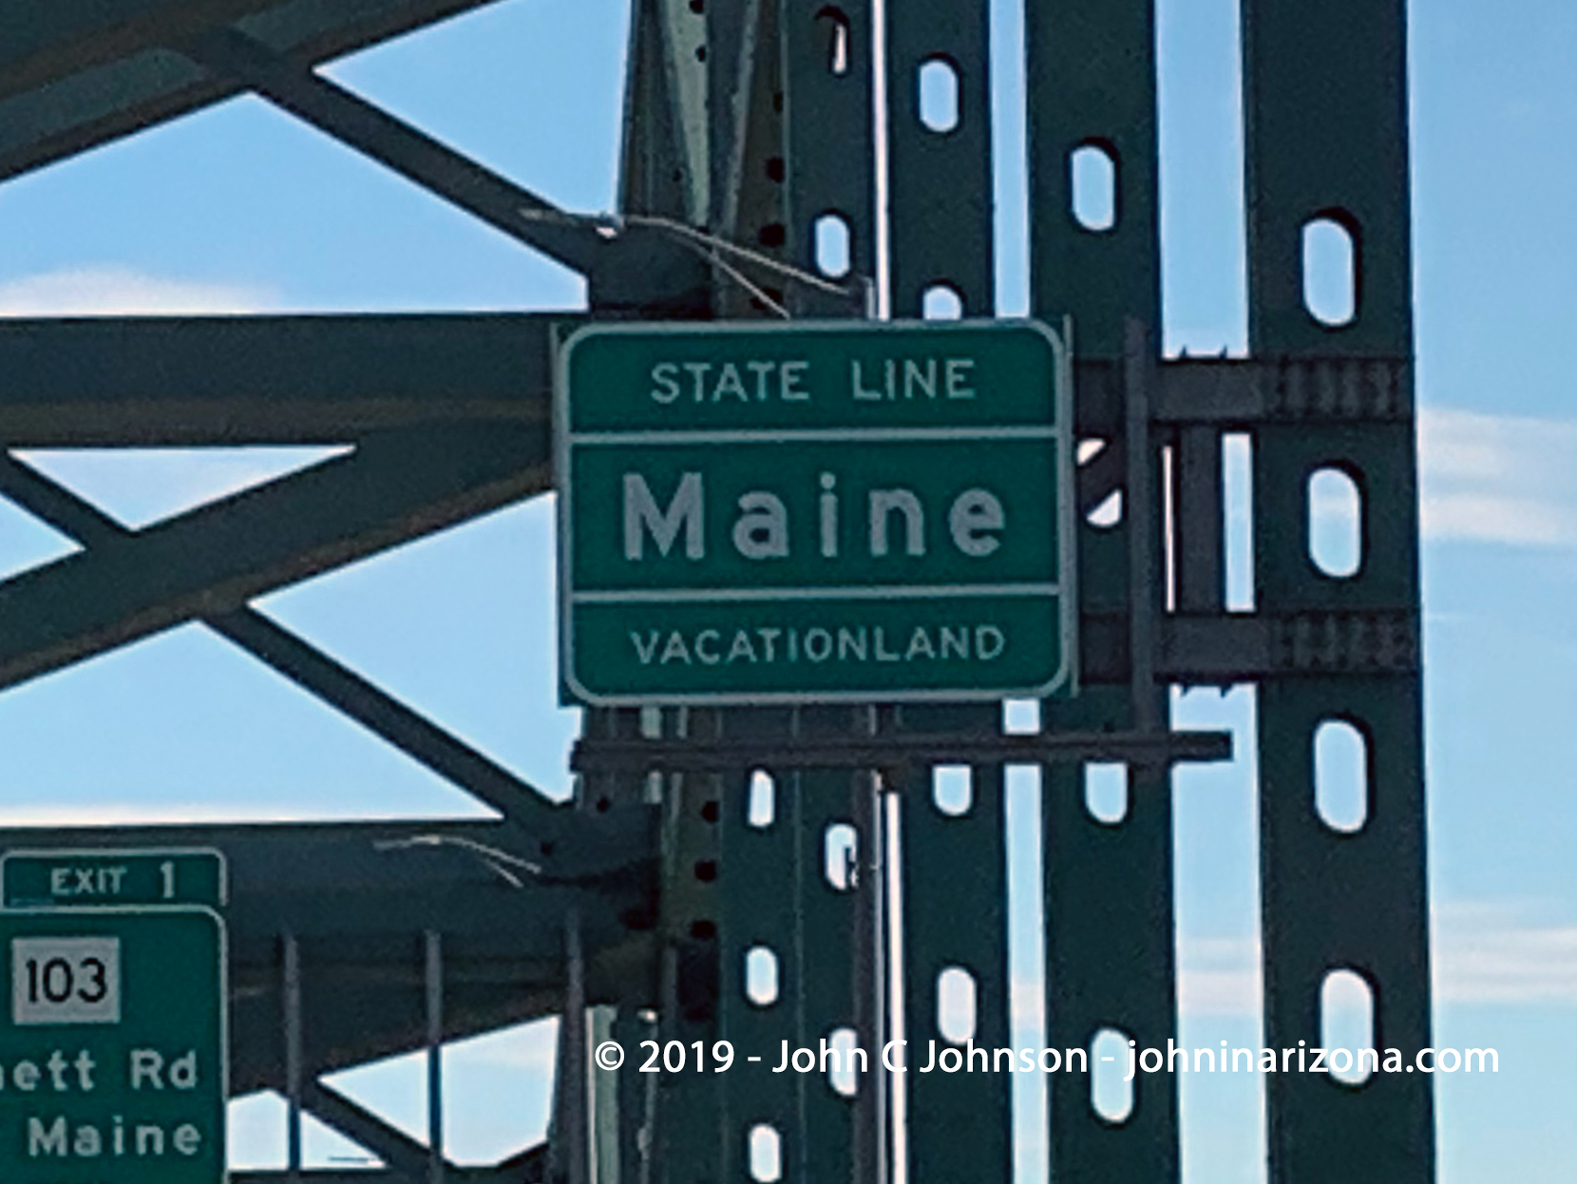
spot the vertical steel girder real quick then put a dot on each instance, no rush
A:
(1326, 121)
(954, 867)
(1109, 912)
(788, 94)
(939, 174)
(829, 152)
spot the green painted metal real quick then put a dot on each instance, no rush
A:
(1325, 112)
(1091, 81)
(1109, 956)
(1108, 887)
(375, 133)
(360, 895)
(167, 381)
(939, 179)
(955, 914)
(953, 869)
(658, 171)
(78, 73)
(220, 555)
(113, 1036)
(828, 162)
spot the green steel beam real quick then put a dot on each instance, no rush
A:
(1325, 110)
(75, 74)
(163, 381)
(213, 559)
(940, 179)
(658, 170)
(1091, 82)
(829, 153)
(401, 1155)
(1108, 887)
(170, 381)
(954, 869)
(302, 663)
(1325, 120)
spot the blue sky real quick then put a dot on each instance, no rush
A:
(241, 209)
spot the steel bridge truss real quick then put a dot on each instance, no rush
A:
(638, 903)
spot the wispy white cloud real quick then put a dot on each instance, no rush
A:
(122, 291)
(1483, 953)
(1498, 478)
(1218, 976)
(1498, 953)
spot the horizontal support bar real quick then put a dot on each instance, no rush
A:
(1218, 650)
(897, 751)
(1236, 393)
(1242, 648)
(170, 381)
(186, 381)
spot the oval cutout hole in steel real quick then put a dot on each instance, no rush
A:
(1341, 776)
(1330, 272)
(1093, 185)
(841, 1069)
(955, 1004)
(1106, 791)
(761, 807)
(1335, 523)
(952, 789)
(1347, 1026)
(938, 83)
(1110, 1096)
(834, 25)
(832, 245)
(941, 302)
(841, 853)
(761, 976)
(1109, 513)
(765, 1151)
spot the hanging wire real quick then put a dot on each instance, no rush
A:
(500, 861)
(711, 248)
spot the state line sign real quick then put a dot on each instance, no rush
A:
(814, 511)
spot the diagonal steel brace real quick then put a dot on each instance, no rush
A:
(295, 658)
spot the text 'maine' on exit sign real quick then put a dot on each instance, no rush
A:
(815, 511)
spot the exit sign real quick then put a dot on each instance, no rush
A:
(112, 1046)
(101, 877)
(815, 511)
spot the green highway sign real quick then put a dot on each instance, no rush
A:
(93, 878)
(815, 511)
(112, 1046)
